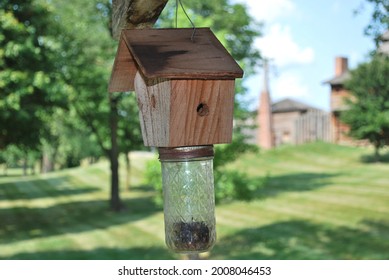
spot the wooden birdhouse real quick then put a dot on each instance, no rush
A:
(185, 87)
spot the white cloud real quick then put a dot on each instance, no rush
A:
(269, 10)
(278, 44)
(289, 85)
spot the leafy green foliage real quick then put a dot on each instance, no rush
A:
(379, 22)
(237, 185)
(31, 83)
(89, 51)
(153, 177)
(368, 113)
(129, 132)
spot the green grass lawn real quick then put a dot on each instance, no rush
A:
(321, 201)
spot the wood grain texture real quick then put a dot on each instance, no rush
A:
(154, 105)
(176, 113)
(170, 53)
(188, 126)
(123, 71)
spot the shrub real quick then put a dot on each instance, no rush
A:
(236, 185)
(153, 177)
(229, 185)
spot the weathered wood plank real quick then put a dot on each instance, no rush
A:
(154, 110)
(123, 71)
(311, 127)
(176, 113)
(201, 112)
(170, 53)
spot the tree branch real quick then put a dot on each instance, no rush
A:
(135, 14)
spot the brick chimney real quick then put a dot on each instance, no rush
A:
(341, 65)
(265, 119)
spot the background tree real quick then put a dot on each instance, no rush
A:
(31, 83)
(129, 131)
(368, 113)
(89, 51)
(111, 118)
(379, 21)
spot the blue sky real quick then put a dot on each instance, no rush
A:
(303, 38)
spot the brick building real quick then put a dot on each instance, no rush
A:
(339, 93)
(339, 130)
(288, 121)
(265, 131)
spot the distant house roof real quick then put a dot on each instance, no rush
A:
(290, 105)
(339, 80)
(384, 46)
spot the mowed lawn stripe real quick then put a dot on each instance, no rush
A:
(365, 203)
(319, 202)
(325, 210)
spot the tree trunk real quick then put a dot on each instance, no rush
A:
(47, 161)
(115, 202)
(128, 170)
(54, 158)
(32, 168)
(377, 152)
(127, 14)
(25, 165)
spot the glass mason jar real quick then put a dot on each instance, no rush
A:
(189, 199)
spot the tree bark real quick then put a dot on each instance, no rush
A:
(25, 166)
(377, 152)
(46, 164)
(48, 159)
(115, 202)
(139, 14)
(128, 170)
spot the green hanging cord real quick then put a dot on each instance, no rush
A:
(176, 13)
(187, 16)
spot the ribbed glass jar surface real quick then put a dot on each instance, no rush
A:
(189, 204)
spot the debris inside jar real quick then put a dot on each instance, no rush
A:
(191, 236)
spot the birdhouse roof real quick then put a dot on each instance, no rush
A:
(172, 54)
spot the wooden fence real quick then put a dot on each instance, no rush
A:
(313, 126)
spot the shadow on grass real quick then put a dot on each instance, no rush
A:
(21, 223)
(293, 182)
(41, 188)
(135, 253)
(370, 158)
(142, 188)
(11, 175)
(303, 240)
